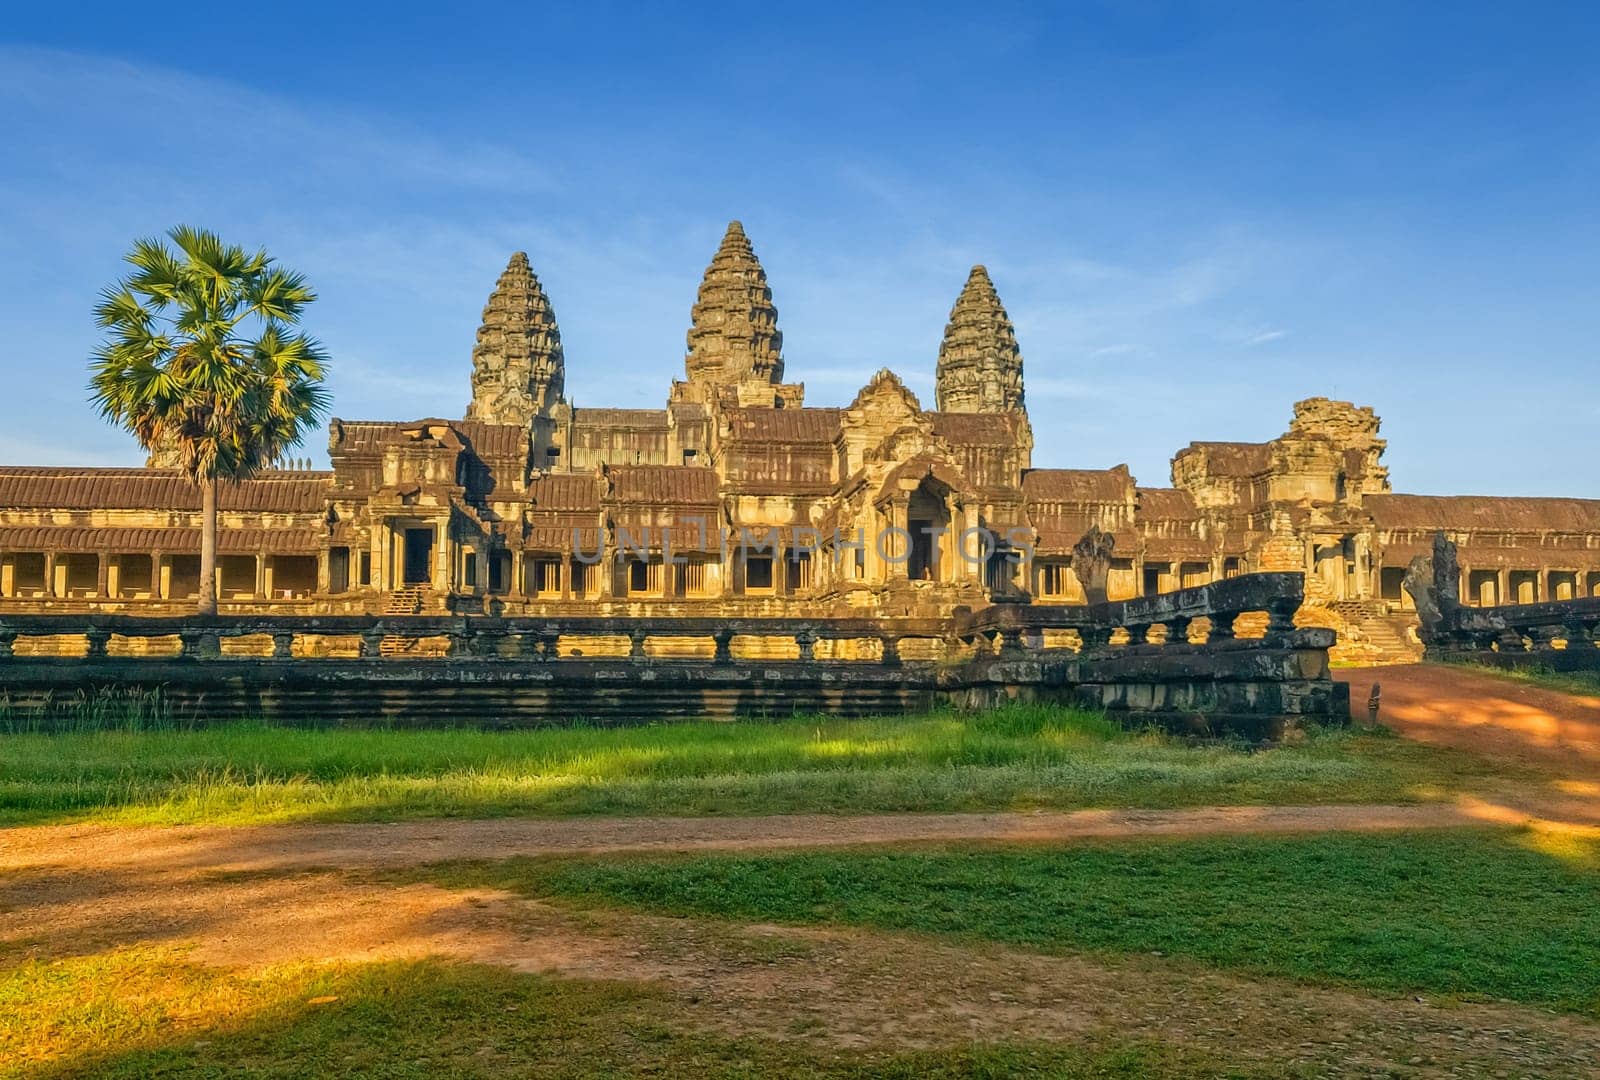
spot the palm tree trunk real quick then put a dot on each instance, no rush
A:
(208, 546)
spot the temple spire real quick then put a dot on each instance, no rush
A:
(980, 365)
(733, 331)
(518, 369)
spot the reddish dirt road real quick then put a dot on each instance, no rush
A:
(280, 848)
(1500, 717)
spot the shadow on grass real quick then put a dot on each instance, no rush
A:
(1470, 913)
(141, 1013)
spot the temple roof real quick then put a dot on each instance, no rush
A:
(1167, 504)
(977, 429)
(663, 485)
(620, 418)
(1076, 485)
(564, 492)
(1239, 459)
(168, 541)
(488, 440)
(44, 488)
(1469, 512)
(733, 331)
(784, 425)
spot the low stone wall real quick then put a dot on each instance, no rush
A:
(1561, 635)
(1142, 661)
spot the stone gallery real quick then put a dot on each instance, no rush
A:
(736, 498)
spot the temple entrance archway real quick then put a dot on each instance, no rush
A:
(928, 520)
(417, 557)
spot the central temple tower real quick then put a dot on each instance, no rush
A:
(735, 349)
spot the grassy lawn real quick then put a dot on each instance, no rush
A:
(1015, 758)
(147, 1012)
(1567, 682)
(1471, 913)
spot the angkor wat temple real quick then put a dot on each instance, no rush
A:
(736, 498)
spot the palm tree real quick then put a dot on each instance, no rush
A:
(202, 364)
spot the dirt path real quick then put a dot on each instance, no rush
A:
(839, 989)
(1502, 718)
(289, 847)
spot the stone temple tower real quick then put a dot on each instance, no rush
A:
(734, 338)
(518, 369)
(980, 365)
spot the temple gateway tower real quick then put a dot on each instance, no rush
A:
(517, 365)
(980, 365)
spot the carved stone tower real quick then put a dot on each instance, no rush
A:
(733, 332)
(980, 366)
(518, 369)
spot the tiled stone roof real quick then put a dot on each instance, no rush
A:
(1468, 512)
(31, 488)
(1075, 485)
(784, 425)
(663, 485)
(170, 541)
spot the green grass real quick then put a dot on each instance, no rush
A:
(147, 1012)
(1567, 682)
(1471, 913)
(1016, 758)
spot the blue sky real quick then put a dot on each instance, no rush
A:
(1196, 214)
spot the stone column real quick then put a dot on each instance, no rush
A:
(442, 558)
(324, 571)
(1502, 586)
(266, 576)
(51, 586)
(160, 576)
(8, 576)
(899, 545)
(259, 589)
(102, 577)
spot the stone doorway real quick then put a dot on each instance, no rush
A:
(417, 557)
(928, 520)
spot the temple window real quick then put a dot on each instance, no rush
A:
(798, 570)
(338, 569)
(694, 580)
(1121, 582)
(758, 573)
(365, 568)
(135, 576)
(544, 578)
(1391, 583)
(1524, 586)
(469, 570)
(185, 579)
(294, 576)
(1483, 588)
(30, 573)
(1232, 567)
(1053, 579)
(236, 577)
(581, 575)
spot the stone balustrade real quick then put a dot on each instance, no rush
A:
(1560, 634)
(491, 670)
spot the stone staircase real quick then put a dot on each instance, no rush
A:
(1374, 635)
(408, 600)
